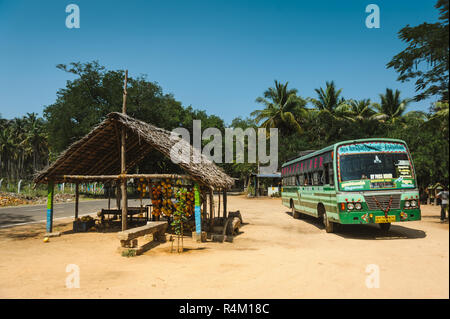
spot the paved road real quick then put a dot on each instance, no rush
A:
(13, 216)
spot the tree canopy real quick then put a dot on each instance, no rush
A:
(425, 59)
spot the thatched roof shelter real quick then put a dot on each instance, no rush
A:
(98, 153)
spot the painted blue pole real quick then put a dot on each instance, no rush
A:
(50, 207)
(197, 210)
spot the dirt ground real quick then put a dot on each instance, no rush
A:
(274, 256)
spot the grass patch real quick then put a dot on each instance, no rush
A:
(129, 253)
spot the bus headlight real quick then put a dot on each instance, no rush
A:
(358, 206)
(407, 203)
(413, 203)
(350, 206)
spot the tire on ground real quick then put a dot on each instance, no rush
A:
(330, 227)
(295, 214)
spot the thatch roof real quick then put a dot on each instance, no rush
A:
(98, 153)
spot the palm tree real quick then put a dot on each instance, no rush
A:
(283, 108)
(391, 108)
(355, 111)
(34, 139)
(328, 100)
(330, 108)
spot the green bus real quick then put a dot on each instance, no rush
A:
(365, 181)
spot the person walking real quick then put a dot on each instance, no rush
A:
(443, 195)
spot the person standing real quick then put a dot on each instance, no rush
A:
(443, 195)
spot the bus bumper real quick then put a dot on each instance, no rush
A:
(378, 216)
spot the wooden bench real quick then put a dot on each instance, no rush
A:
(118, 212)
(129, 238)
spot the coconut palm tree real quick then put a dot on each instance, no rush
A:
(34, 139)
(391, 108)
(355, 111)
(283, 109)
(329, 100)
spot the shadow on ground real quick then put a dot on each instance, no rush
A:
(367, 231)
(10, 219)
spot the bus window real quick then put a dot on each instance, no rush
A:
(301, 180)
(321, 178)
(326, 174)
(331, 173)
(316, 178)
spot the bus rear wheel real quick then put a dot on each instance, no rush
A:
(385, 226)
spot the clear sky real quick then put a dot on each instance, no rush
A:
(214, 55)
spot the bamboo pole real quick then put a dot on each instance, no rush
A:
(118, 196)
(211, 206)
(218, 203)
(77, 199)
(204, 203)
(117, 177)
(224, 203)
(123, 159)
(109, 195)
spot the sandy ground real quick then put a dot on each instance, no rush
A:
(275, 256)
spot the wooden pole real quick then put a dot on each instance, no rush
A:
(211, 206)
(118, 196)
(204, 203)
(115, 177)
(77, 196)
(109, 195)
(218, 203)
(123, 159)
(224, 203)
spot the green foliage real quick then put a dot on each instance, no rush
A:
(282, 108)
(391, 107)
(426, 58)
(23, 147)
(429, 146)
(129, 253)
(179, 216)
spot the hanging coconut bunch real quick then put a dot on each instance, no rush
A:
(142, 187)
(190, 202)
(162, 192)
(156, 199)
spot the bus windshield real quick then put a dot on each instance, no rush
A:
(374, 165)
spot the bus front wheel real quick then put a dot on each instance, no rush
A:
(385, 226)
(295, 214)
(330, 227)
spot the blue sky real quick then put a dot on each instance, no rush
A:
(214, 55)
